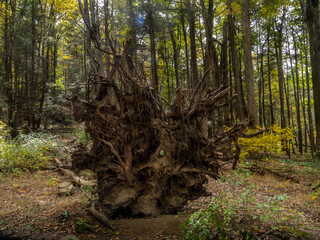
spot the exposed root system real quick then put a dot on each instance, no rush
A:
(151, 156)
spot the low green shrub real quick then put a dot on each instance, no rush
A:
(82, 225)
(236, 203)
(27, 152)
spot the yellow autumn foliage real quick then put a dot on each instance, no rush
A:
(272, 141)
(3, 131)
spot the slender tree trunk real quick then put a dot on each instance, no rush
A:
(186, 49)
(311, 12)
(211, 58)
(297, 98)
(236, 65)
(45, 79)
(287, 94)
(263, 88)
(224, 69)
(133, 34)
(230, 84)
(260, 83)
(269, 81)
(303, 103)
(154, 66)
(175, 58)
(278, 47)
(33, 66)
(201, 41)
(289, 109)
(252, 107)
(7, 62)
(193, 46)
(309, 108)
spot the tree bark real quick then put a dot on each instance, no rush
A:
(175, 58)
(154, 66)
(269, 80)
(278, 47)
(309, 108)
(193, 46)
(186, 49)
(297, 98)
(311, 12)
(252, 107)
(241, 108)
(224, 70)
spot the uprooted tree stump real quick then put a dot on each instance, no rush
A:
(150, 157)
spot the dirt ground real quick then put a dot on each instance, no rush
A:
(32, 209)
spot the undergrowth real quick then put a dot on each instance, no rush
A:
(235, 213)
(27, 152)
(275, 140)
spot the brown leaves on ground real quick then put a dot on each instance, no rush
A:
(31, 207)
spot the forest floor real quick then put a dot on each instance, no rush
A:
(282, 203)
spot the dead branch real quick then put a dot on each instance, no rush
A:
(101, 217)
(76, 179)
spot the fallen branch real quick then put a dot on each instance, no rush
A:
(76, 179)
(261, 170)
(101, 217)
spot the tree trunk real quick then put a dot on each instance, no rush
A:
(175, 58)
(193, 46)
(309, 108)
(278, 47)
(224, 69)
(211, 52)
(241, 108)
(154, 66)
(186, 49)
(133, 26)
(311, 12)
(297, 94)
(8, 75)
(248, 67)
(269, 81)
(303, 103)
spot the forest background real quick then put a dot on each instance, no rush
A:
(54, 52)
(260, 48)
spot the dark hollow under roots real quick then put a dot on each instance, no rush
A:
(151, 157)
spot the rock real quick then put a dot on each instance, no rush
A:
(65, 188)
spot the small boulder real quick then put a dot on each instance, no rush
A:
(65, 188)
